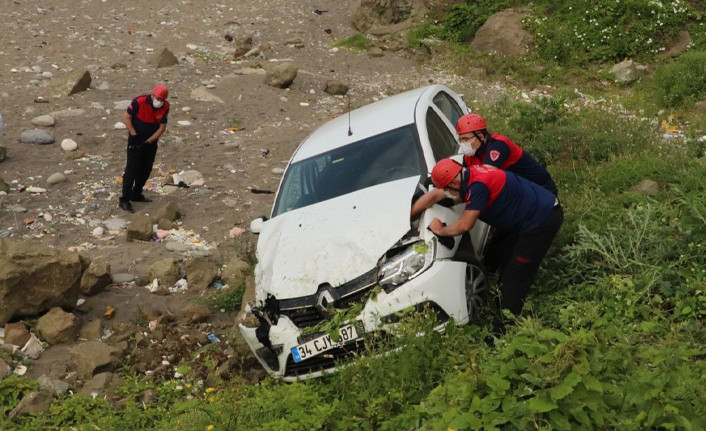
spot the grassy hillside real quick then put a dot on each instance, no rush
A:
(614, 333)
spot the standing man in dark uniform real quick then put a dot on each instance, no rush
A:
(146, 121)
(528, 214)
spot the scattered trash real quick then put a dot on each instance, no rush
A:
(5, 234)
(33, 347)
(109, 312)
(261, 191)
(21, 370)
(218, 284)
(154, 285)
(179, 286)
(214, 338)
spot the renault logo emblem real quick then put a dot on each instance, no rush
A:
(324, 302)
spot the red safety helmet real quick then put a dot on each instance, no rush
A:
(444, 172)
(470, 123)
(161, 92)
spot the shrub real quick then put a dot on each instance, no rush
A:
(682, 82)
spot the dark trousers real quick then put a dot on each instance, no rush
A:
(137, 169)
(521, 259)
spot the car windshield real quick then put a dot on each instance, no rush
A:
(386, 157)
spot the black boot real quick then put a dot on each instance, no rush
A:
(141, 198)
(125, 205)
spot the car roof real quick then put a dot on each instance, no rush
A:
(370, 120)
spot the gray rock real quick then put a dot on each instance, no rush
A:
(34, 402)
(4, 187)
(139, 228)
(177, 247)
(375, 52)
(380, 16)
(647, 187)
(200, 273)
(104, 384)
(624, 72)
(5, 369)
(43, 120)
(116, 223)
(92, 330)
(57, 326)
(95, 278)
(35, 278)
(242, 46)
(166, 271)
(203, 94)
(165, 59)
(281, 75)
(56, 178)
(121, 105)
(55, 387)
(234, 271)
(121, 278)
(16, 208)
(70, 83)
(69, 113)
(335, 87)
(504, 33)
(169, 211)
(36, 136)
(194, 313)
(93, 357)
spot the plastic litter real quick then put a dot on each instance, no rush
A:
(213, 338)
(33, 347)
(109, 312)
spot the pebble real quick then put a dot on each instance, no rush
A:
(277, 171)
(184, 123)
(47, 217)
(43, 120)
(123, 278)
(32, 189)
(56, 178)
(98, 232)
(120, 126)
(36, 136)
(69, 145)
(185, 109)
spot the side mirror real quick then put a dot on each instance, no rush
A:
(256, 225)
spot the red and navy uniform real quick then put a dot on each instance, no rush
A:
(501, 152)
(526, 215)
(506, 201)
(145, 118)
(140, 154)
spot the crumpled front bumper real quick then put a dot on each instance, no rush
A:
(443, 285)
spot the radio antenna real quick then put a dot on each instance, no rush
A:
(348, 96)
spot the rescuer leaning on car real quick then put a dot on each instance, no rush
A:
(526, 214)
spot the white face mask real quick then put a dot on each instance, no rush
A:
(157, 103)
(466, 149)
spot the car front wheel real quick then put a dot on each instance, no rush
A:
(476, 290)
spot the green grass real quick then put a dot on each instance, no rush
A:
(356, 42)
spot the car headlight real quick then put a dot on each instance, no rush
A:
(407, 265)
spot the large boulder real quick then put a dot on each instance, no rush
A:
(96, 278)
(281, 75)
(379, 17)
(35, 278)
(504, 33)
(93, 357)
(70, 83)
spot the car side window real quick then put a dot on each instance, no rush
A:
(443, 142)
(448, 106)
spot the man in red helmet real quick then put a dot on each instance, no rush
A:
(146, 121)
(480, 147)
(528, 215)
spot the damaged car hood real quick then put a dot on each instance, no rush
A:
(332, 241)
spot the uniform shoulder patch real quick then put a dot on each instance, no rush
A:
(494, 154)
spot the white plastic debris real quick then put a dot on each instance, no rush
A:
(32, 189)
(33, 348)
(154, 285)
(179, 286)
(21, 370)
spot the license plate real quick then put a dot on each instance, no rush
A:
(323, 343)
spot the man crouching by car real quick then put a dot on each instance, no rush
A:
(528, 214)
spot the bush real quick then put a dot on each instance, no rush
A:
(682, 82)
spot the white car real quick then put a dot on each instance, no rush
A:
(340, 236)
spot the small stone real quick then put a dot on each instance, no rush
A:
(98, 232)
(120, 126)
(56, 178)
(69, 145)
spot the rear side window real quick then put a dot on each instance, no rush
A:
(443, 142)
(448, 106)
